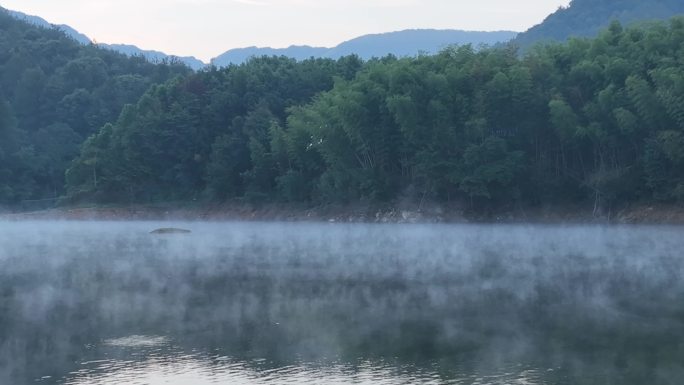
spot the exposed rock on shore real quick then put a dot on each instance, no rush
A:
(638, 214)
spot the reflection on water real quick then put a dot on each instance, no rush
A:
(136, 341)
(109, 303)
(154, 360)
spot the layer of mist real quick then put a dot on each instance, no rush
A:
(110, 303)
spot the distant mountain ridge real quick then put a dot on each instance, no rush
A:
(401, 43)
(586, 18)
(39, 21)
(154, 56)
(581, 18)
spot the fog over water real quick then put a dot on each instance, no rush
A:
(258, 303)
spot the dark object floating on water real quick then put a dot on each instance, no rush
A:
(170, 230)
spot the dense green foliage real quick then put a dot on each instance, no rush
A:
(54, 93)
(586, 18)
(593, 120)
(209, 132)
(597, 120)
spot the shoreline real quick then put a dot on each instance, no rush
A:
(636, 214)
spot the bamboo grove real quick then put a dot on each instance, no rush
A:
(597, 121)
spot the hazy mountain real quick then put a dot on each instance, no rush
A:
(241, 55)
(130, 50)
(585, 18)
(154, 56)
(402, 43)
(35, 20)
(414, 41)
(581, 18)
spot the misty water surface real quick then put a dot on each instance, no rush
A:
(109, 303)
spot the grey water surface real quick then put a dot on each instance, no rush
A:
(274, 303)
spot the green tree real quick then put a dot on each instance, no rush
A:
(490, 170)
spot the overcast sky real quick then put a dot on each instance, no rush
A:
(207, 28)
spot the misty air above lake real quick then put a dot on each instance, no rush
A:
(254, 303)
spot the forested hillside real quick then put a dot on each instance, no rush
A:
(585, 18)
(599, 121)
(126, 49)
(206, 133)
(54, 93)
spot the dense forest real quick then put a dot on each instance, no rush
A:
(208, 132)
(55, 93)
(593, 121)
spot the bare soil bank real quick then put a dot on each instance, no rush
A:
(360, 213)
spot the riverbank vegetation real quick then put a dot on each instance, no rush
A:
(597, 122)
(55, 93)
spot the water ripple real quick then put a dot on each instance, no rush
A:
(161, 362)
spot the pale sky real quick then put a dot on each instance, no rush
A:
(207, 28)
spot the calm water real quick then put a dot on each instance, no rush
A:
(109, 303)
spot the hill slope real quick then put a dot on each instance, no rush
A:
(154, 56)
(585, 18)
(401, 43)
(54, 93)
(40, 22)
(128, 50)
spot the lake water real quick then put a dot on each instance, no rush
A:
(257, 303)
